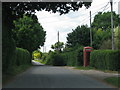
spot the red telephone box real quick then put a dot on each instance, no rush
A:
(86, 56)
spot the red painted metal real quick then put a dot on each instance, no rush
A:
(86, 56)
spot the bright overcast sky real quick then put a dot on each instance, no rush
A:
(52, 23)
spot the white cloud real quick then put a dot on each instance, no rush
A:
(53, 22)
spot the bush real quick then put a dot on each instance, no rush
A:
(105, 59)
(55, 59)
(74, 57)
(69, 58)
(22, 56)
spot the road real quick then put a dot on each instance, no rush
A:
(54, 77)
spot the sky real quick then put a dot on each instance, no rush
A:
(54, 22)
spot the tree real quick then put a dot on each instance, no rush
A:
(101, 28)
(28, 33)
(79, 36)
(107, 44)
(14, 10)
(103, 20)
(117, 38)
(99, 36)
(57, 46)
(37, 54)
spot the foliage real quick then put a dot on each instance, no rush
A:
(22, 57)
(80, 36)
(103, 20)
(57, 46)
(14, 10)
(99, 36)
(44, 56)
(55, 59)
(8, 49)
(105, 59)
(74, 57)
(101, 27)
(106, 44)
(28, 33)
(117, 38)
(84, 68)
(37, 54)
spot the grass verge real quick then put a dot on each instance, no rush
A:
(92, 68)
(115, 81)
(84, 68)
(7, 77)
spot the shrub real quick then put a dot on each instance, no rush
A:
(8, 55)
(105, 59)
(74, 57)
(55, 59)
(22, 56)
(69, 58)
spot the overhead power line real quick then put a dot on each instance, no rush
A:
(104, 8)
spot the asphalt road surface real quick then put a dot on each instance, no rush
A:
(54, 77)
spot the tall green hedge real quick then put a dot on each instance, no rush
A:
(69, 58)
(8, 48)
(22, 56)
(105, 59)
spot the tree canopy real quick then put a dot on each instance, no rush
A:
(80, 36)
(57, 46)
(103, 20)
(14, 10)
(99, 36)
(28, 33)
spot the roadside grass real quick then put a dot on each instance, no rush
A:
(17, 70)
(115, 81)
(84, 68)
(92, 68)
(109, 71)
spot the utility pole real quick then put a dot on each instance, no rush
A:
(119, 17)
(58, 40)
(111, 3)
(58, 36)
(43, 49)
(90, 31)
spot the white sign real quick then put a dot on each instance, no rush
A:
(88, 49)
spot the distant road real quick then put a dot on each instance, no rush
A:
(36, 63)
(54, 77)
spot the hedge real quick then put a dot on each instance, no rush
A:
(8, 50)
(105, 59)
(22, 56)
(69, 58)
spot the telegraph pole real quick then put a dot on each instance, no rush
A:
(43, 49)
(111, 3)
(58, 36)
(90, 31)
(58, 40)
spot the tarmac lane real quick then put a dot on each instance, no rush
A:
(54, 77)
